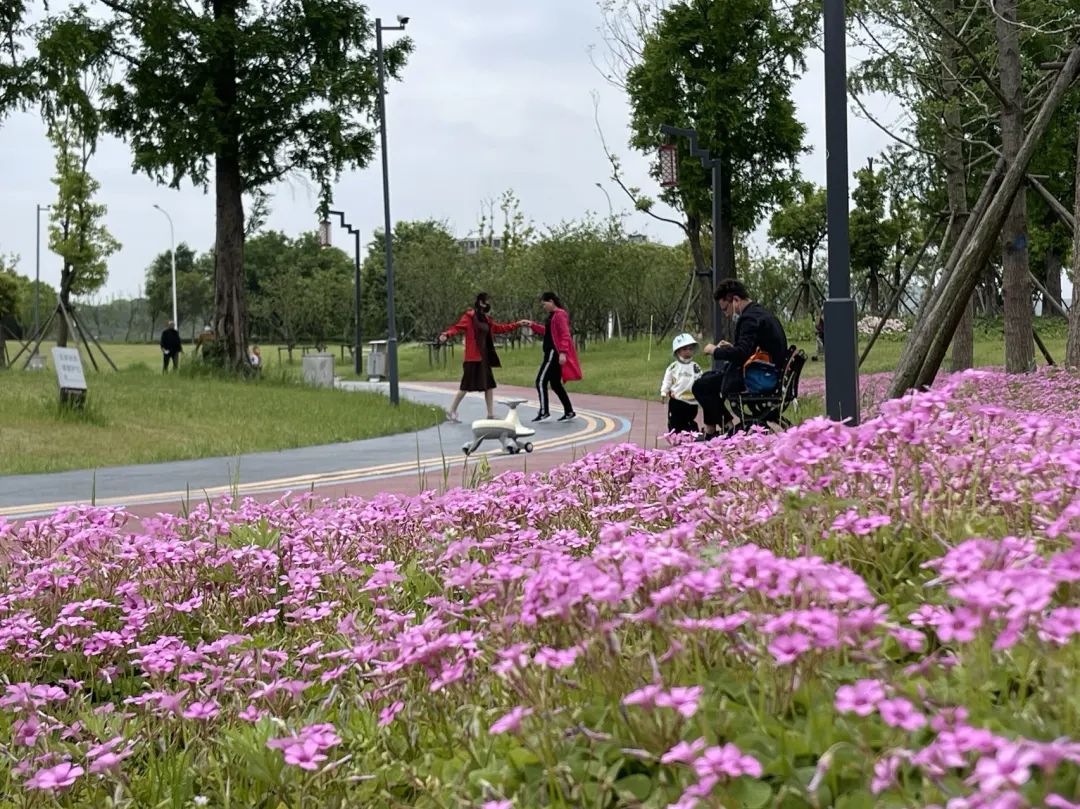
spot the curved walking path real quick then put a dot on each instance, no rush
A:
(406, 463)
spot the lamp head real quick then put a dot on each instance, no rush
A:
(402, 20)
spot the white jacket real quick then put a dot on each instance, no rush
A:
(678, 379)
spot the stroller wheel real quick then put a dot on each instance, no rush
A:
(528, 447)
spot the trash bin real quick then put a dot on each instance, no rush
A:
(376, 360)
(319, 369)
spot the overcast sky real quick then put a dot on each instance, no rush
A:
(497, 95)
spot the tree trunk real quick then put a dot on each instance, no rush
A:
(1016, 284)
(702, 268)
(230, 310)
(726, 266)
(963, 345)
(1072, 347)
(67, 276)
(873, 292)
(929, 341)
(1052, 262)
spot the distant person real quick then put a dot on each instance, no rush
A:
(480, 356)
(171, 347)
(205, 337)
(255, 358)
(677, 386)
(759, 340)
(560, 362)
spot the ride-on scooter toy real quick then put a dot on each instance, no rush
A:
(509, 431)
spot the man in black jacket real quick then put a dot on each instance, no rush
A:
(756, 329)
(170, 347)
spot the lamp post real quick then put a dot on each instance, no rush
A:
(172, 251)
(610, 209)
(324, 240)
(669, 177)
(841, 360)
(391, 323)
(37, 268)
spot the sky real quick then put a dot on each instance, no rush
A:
(498, 95)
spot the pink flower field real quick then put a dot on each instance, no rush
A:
(883, 616)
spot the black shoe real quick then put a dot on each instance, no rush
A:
(568, 416)
(542, 416)
(703, 437)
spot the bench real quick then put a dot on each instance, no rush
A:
(767, 409)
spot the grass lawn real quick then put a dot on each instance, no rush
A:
(140, 416)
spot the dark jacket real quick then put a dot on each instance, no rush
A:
(170, 341)
(756, 328)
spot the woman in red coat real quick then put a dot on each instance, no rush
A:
(560, 363)
(480, 356)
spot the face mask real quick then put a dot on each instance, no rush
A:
(485, 307)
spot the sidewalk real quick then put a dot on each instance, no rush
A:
(404, 464)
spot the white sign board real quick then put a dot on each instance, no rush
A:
(69, 370)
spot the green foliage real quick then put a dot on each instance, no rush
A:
(76, 232)
(9, 292)
(297, 80)
(800, 228)
(726, 70)
(298, 290)
(194, 285)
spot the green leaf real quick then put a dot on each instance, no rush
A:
(638, 785)
(751, 793)
(521, 758)
(860, 799)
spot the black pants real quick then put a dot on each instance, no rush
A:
(711, 390)
(174, 356)
(550, 374)
(681, 416)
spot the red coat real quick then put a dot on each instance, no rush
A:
(472, 350)
(564, 343)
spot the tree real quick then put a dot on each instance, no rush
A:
(869, 233)
(9, 299)
(726, 70)
(194, 286)
(76, 232)
(242, 94)
(299, 291)
(800, 228)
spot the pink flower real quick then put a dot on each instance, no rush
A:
(1010, 766)
(252, 714)
(787, 648)
(201, 710)
(683, 700)
(387, 714)
(900, 713)
(304, 754)
(511, 722)
(497, 805)
(861, 698)
(683, 752)
(55, 779)
(27, 731)
(645, 697)
(726, 761)
(108, 762)
(1058, 802)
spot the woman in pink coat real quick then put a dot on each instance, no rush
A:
(560, 363)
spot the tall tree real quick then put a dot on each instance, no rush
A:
(726, 70)
(240, 94)
(1016, 286)
(194, 286)
(870, 233)
(800, 227)
(76, 231)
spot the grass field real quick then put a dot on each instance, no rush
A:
(140, 416)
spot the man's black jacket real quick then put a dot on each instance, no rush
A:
(170, 341)
(756, 328)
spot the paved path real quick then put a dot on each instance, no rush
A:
(403, 464)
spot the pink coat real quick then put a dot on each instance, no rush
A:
(564, 343)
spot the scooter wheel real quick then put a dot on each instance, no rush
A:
(511, 450)
(529, 447)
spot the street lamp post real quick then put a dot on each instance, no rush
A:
(668, 165)
(172, 252)
(841, 360)
(324, 239)
(391, 323)
(37, 269)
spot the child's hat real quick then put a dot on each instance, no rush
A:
(682, 341)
